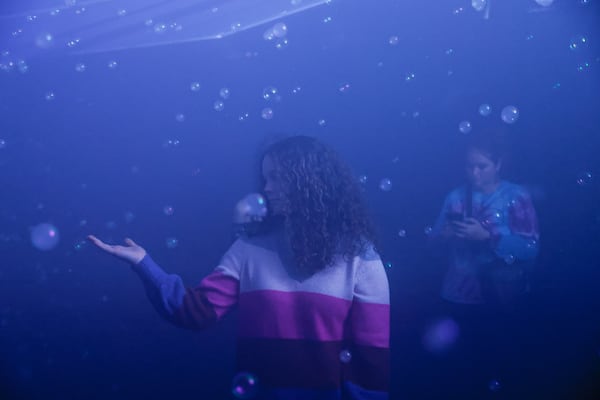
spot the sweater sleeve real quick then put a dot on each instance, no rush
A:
(367, 374)
(195, 307)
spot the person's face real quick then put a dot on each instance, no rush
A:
(482, 172)
(274, 188)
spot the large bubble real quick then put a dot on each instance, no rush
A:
(104, 26)
(44, 237)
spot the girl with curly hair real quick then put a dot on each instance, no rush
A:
(312, 292)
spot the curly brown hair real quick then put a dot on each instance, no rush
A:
(325, 215)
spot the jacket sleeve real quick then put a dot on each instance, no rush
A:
(519, 237)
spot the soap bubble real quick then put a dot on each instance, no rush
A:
(267, 113)
(269, 93)
(464, 127)
(244, 386)
(218, 105)
(171, 242)
(485, 110)
(44, 41)
(363, 179)
(179, 117)
(393, 40)
(578, 42)
(402, 233)
(168, 210)
(253, 205)
(345, 356)
(195, 86)
(49, 96)
(80, 67)
(584, 178)
(44, 237)
(494, 385)
(385, 184)
(509, 259)
(279, 30)
(544, 3)
(478, 5)
(509, 114)
(2, 143)
(224, 93)
(112, 64)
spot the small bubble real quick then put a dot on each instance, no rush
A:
(385, 185)
(168, 210)
(243, 117)
(428, 230)
(556, 86)
(112, 64)
(224, 93)
(322, 122)
(122, 12)
(267, 113)
(269, 93)
(362, 179)
(160, 28)
(529, 37)
(409, 77)
(402, 233)
(509, 259)
(282, 44)
(50, 96)
(478, 5)
(73, 43)
(494, 385)
(218, 105)
(393, 40)
(171, 242)
(509, 114)
(584, 179)
(195, 86)
(344, 88)
(345, 356)
(80, 245)
(578, 43)
(171, 143)
(458, 10)
(584, 66)
(485, 110)
(180, 117)
(464, 127)
(449, 52)
(2, 144)
(80, 67)
(244, 386)
(326, 20)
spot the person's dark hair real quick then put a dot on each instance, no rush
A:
(490, 142)
(326, 215)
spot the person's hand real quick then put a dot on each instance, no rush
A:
(470, 229)
(131, 253)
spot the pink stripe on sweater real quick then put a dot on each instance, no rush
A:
(221, 291)
(292, 315)
(371, 324)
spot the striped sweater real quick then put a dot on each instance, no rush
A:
(291, 332)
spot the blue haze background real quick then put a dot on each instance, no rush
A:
(76, 324)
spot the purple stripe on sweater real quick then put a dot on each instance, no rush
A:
(292, 315)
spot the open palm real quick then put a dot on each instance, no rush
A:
(132, 253)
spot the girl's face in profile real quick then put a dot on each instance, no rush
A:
(274, 186)
(482, 172)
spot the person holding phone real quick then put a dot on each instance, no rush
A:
(489, 224)
(491, 231)
(312, 291)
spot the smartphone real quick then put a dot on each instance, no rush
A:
(454, 216)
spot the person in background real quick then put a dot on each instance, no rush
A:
(311, 290)
(490, 229)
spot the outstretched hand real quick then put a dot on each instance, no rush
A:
(131, 253)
